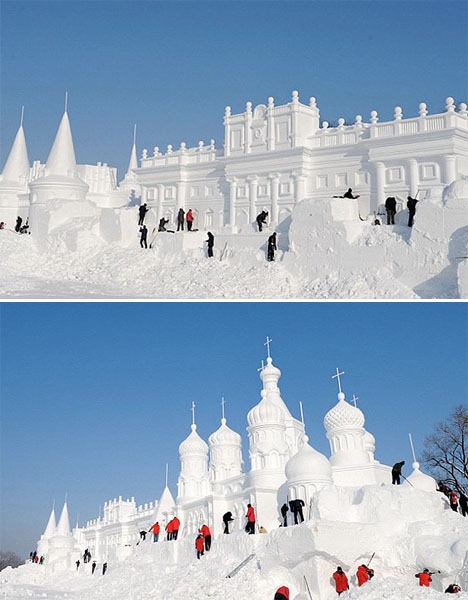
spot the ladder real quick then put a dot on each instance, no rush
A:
(239, 567)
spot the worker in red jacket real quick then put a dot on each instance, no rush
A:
(155, 529)
(250, 527)
(189, 218)
(341, 581)
(175, 528)
(169, 530)
(206, 533)
(363, 574)
(424, 578)
(453, 498)
(282, 593)
(199, 545)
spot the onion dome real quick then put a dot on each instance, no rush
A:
(224, 436)
(265, 413)
(193, 444)
(308, 465)
(369, 442)
(420, 480)
(343, 416)
(270, 372)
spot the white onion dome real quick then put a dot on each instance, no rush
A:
(420, 480)
(308, 465)
(193, 444)
(343, 416)
(224, 436)
(369, 442)
(270, 371)
(265, 413)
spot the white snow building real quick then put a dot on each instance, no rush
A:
(273, 157)
(212, 478)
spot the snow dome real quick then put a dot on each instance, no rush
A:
(265, 412)
(420, 480)
(343, 416)
(270, 373)
(308, 465)
(224, 436)
(193, 444)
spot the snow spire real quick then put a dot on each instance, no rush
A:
(61, 159)
(225, 452)
(63, 526)
(17, 165)
(51, 525)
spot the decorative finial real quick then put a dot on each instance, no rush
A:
(193, 413)
(374, 117)
(134, 134)
(422, 109)
(337, 376)
(355, 399)
(22, 116)
(223, 402)
(449, 104)
(302, 412)
(412, 447)
(267, 344)
(398, 114)
(167, 472)
(66, 101)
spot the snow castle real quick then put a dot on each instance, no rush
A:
(213, 478)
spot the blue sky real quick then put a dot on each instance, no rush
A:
(172, 67)
(95, 397)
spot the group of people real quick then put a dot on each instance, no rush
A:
(203, 540)
(93, 566)
(457, 501)
(390, 209)
(34, 558)
(172, 530)
(295, 506)
(19, 227)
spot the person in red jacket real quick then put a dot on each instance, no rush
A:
(169, 530)
(206, 533)
(155, 529)
(199, 545)
(282, 593)
(424, 578)
(189, 218)
(175, 528)
(453, 498)
(341, 581)
(250, 527)
(363, 574)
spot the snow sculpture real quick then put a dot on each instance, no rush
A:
(225, 454)
(420, 480)
(43, 543)
(193, 479)
(62, 550)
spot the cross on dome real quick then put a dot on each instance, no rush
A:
(267, 344)
(262, 367)
(223, 402)
(193, 413)
(355, 398)
(338, 373)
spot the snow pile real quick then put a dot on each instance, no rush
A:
(325, 251)
(408, 529)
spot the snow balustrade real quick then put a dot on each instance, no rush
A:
(182, 156)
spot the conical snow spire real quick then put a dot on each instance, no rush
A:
(61, 159)
(17, 164)
(51, 525)
(63, 527)
(133, 164)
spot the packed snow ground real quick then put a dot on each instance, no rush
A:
(408, 529)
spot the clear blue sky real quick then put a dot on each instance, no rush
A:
(96, 396)
(172, 67)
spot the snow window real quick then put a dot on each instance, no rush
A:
(395, 175)
(241, 192)
(262, 190)
(341, 180)
(429, 171)
(236, 140)
(194, 191)
(209, 191)
(281, 132)
(208, 219)
(361, 178)
(284, 189)
(151, 194)
(322, 181)
(169, 192)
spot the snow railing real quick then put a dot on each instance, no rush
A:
(424, 123)
(182, 156)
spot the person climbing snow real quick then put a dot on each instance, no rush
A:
(155, 529)
(144, 236)
(250, 527)
(341, 581)
(396, 472)
(180, 219)
(424, 578)
(206, 533)
(175, 527)
(411, 205)
(282, 593)
(162, 224)
(199, 545)
(210, 242)
(142, 213)
(363, 574)
(261, 219)
(271, 247)
(390, 207)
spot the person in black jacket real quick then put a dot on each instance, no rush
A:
(261, 219)
(210, 242)
(180, 219)
(227, 518)
(142, 212)
(396, 472)
(271, 247)
(162, 224)
(143, 237)
(19, 220)
(284, 514)
(390, 207)
(411, 204)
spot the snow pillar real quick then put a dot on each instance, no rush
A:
(253, 187)
(413, 176)
(160, 188)
(299, 185)
(270, 125)
(181, 194)
(450, 162)
(294, 120)
(232, 200)
(227, 131)
(248, 129)
(274, 181)
(380, 182)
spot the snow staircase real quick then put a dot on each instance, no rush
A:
(239, 567)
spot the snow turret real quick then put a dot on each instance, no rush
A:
(225, 453)
(420, 480)
(61, 159)
(43, 543)
(306, 472)
(193, 479)
(130, 181)
(14, 193)
(165, 508)
(62, 549)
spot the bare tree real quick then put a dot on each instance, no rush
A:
(446, 453)
(9, 559)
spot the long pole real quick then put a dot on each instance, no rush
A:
(308, 588)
